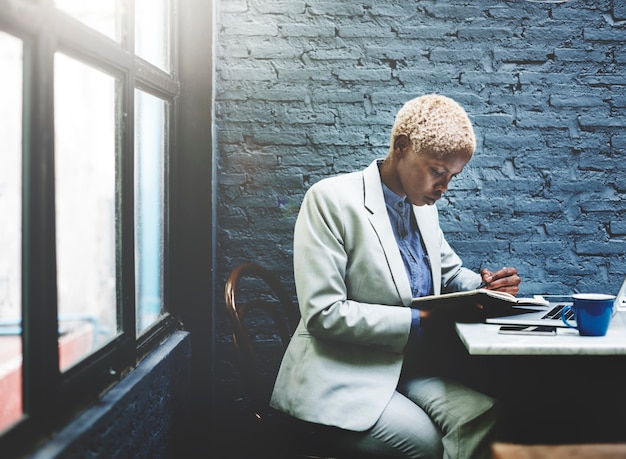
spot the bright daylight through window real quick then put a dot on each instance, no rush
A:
(10, 231)
(85, 130)
(85, 207)
(149, 198)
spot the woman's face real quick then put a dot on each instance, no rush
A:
(424, 178)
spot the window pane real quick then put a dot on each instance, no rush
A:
(85, 207)
(10, 231)
(152, 38)
(102, 15)
(149, 207)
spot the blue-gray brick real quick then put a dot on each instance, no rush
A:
(309, 89)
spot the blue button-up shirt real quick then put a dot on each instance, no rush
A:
(414, 256)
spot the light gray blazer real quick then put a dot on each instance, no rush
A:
(344, 360)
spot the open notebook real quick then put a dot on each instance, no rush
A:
(495, 304)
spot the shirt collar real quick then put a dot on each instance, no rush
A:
(392, 199)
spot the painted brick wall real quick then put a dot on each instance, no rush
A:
(308, 89)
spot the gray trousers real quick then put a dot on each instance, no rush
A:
(430, 417)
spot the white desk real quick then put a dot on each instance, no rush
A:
(522, 371)
(483, 339)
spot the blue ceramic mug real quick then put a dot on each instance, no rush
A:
(592, 312)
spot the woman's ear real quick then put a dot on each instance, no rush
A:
(400, 144)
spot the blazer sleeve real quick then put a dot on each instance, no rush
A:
(449, 274)
(455, 277)
(334, 246)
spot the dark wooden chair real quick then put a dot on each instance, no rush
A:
(278, 435)
(282, 320)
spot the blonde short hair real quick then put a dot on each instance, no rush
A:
(436, 125)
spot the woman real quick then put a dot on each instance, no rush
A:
(365, 244)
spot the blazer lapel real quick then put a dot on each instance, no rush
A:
(427, 222)
(374, 202)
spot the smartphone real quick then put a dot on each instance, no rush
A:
(527, 330)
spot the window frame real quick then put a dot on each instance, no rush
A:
(51, 396)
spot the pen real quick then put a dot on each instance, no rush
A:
(488, 273)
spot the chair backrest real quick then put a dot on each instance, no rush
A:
(257, 385)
